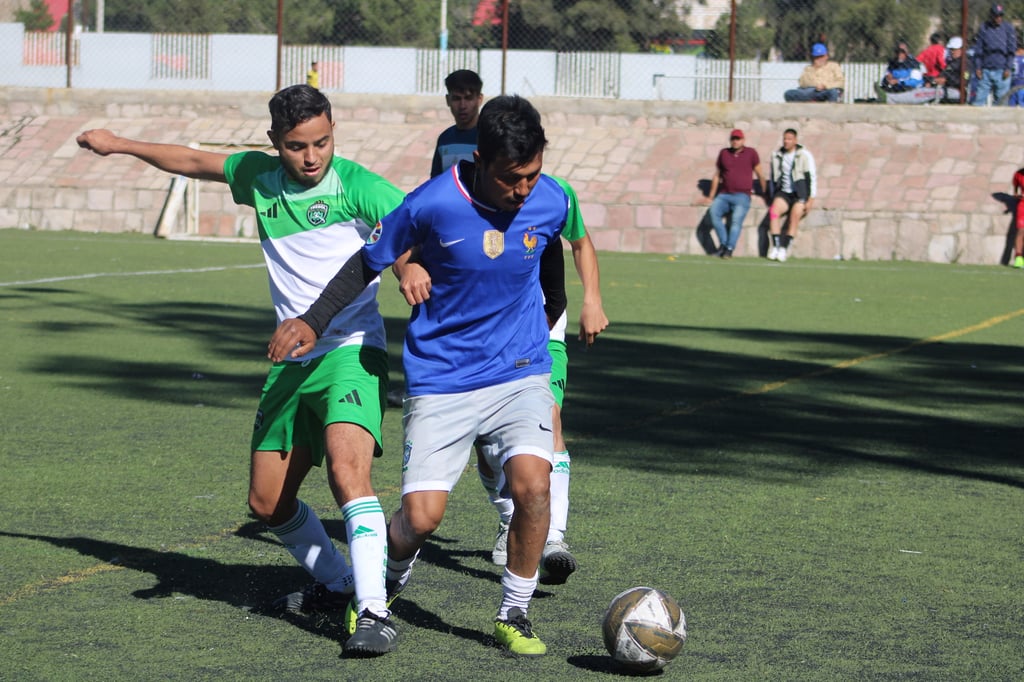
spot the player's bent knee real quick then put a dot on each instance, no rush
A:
(270, 510)
(422, 512)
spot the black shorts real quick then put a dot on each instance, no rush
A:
(790, 197)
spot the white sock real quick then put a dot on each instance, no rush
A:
(368, 545)
(400, 569)
(306, 539)
(493, 485)
(515, 591)
(559, 497)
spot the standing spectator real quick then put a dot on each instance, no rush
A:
(956, 74)
(821, 81)
(1016, 98)
(994, 50)
(734, 171)
(313, 75)
(794, 182)
(933, 57)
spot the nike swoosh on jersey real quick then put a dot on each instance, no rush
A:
(445, 245)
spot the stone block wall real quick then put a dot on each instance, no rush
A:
(923, 183)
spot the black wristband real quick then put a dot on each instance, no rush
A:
(343, 288)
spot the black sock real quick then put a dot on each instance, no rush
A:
(776, 240)
(786, 241)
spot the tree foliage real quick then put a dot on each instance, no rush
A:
(591, 25)
(36, 18)
(753, 35)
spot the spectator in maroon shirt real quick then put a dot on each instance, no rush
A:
(735, 169)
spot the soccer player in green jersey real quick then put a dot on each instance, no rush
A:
(314, 210)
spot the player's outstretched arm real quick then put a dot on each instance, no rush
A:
(172, 158)
(593, 321)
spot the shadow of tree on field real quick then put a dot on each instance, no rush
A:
(722, 411)
(662, 393)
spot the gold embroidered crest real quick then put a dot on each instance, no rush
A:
(494, 243)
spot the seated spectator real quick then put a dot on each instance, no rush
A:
(903, 72)
(957, 72)
(821, 81)
(933, 58)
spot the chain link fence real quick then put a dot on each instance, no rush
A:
(705, 50)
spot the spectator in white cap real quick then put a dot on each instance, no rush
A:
(956, 73)
(821, 81)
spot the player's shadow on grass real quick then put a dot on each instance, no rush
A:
(245, 586)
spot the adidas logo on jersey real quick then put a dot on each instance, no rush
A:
(270, 212)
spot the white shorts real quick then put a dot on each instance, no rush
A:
(507, 420)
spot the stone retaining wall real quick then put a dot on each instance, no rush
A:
(921, 183)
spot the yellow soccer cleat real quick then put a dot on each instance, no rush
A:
(515, 633)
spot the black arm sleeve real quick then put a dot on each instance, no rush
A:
(350, 281)
(552, 279)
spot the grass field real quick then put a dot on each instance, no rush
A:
(820, 460)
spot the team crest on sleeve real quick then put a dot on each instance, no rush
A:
(374, 236)
(530, 240)
(317, 213)
(494, 243)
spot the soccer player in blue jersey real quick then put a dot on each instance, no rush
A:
(557, 561)
(313, 210)
(476, 359)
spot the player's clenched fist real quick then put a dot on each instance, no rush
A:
(293, 338)
(102, 142)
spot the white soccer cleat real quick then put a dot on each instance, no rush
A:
(783, 254)
(773, 253)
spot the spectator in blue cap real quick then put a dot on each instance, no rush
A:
(994, 50)
(821, 81)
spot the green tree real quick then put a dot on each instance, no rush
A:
(855, 30)
(36, 18)
(591, 25)
(753, 35)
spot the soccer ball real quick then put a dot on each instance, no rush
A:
(644, 629)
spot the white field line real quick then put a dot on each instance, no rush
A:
(141, 273)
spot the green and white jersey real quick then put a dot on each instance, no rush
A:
(572, 231)
(307, 234)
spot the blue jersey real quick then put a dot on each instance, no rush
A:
(453, 145)
(484, 323)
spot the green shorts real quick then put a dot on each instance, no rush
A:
(559, 369)
(349, 384)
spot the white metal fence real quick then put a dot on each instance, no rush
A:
(246, 63)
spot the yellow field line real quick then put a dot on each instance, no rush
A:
(59, 581)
